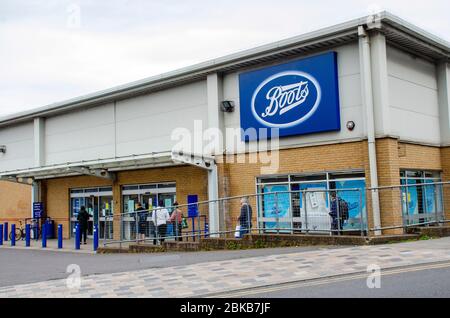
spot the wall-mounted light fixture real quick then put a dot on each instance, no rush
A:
(351, 125)
(227, 106)
(2, 149)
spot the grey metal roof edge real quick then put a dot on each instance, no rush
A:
(214, 65)
(414, 30)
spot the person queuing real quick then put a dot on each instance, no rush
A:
(83, 220)
(141, 219)
(160, 217)
(245, 218)
(338, 213)
(177, 219)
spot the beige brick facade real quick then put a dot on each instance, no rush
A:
(189, 180)
(237, 179)
(15, 202)
(445, 159)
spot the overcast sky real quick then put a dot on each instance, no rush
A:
(52, 50)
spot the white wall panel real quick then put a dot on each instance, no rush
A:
(413, 97)
(19, 142)
(145, 124)
(82, 135)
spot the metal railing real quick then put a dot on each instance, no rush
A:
(419, 203)
(307, 211)
(284, 212)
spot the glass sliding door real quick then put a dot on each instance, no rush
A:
(149, 196)
(99, 205)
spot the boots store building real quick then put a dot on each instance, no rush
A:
(360, 105)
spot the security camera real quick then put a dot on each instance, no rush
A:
(2, 149)
(227, 106)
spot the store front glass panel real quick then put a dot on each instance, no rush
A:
(99, 205)
(421, 203)
(276, 216)
(149, 196)
(298, 211)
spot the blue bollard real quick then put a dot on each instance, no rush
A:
(13, 235)
(60, 236)
(36, 231)
(27, 235)
(95, 237)
(1, 234)
(77, 237)
(44, 235)
(5, 232)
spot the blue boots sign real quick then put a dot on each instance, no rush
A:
(300, 97)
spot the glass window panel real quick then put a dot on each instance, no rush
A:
(347, 175)
(148, 186)
(303, 178)
(274, 179)
(275, 205)
(130, 187)
(166, 185)
(356, 202)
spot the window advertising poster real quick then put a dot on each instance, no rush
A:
(431, 194)
(356, 201)
(276, 206)
(315, 215)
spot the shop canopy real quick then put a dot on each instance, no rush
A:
(106, 168)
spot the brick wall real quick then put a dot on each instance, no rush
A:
(445, 158)
(389, 174)
(15, 201)
(189, 180)
(239, 178)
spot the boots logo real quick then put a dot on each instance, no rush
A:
(286, 99)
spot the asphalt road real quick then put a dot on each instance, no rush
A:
(429, 281)
(30, 266)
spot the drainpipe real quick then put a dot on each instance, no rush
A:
(366, 87)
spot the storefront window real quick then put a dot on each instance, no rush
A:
(356, 201)
(305, 201)
(275, 207)
(149, 195)
(420, 202)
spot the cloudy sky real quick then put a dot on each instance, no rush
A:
(52, 50)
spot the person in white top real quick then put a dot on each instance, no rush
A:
(160, 217)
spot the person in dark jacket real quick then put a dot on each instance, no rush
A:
(141, 218)
(245, 218)
(338, 213)
(83, 219)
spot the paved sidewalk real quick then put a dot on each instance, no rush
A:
(222, 276)
(52, 245)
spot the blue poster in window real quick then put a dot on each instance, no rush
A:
(297, 98)
(356, 201)
(276, 205)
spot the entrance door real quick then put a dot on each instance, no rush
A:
(98, 203)
(149, 196)
(105, 224)
(92, 209)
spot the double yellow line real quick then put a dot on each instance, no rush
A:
(324, 281)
